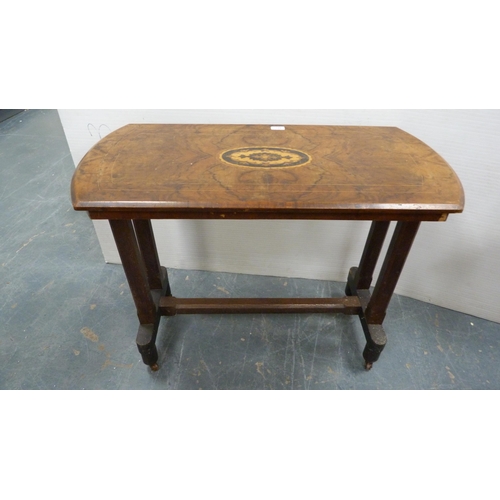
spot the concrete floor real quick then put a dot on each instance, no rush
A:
(67, 320)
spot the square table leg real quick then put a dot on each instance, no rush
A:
(375, 312)
(398, 251)
(360, 278)
(147, 280)
(157, 275)
(374, 306)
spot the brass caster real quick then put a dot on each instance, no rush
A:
(154, 367)
(368, 365)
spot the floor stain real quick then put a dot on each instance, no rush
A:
(259, 366)
(109, 362)
(93, 337)
(89, 334)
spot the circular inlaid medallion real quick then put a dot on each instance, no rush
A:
(265, 157)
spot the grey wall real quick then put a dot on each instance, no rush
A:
(453, 264)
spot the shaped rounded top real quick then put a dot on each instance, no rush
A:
(258, 171)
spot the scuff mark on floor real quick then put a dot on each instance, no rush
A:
(452, 377)
(29, 241)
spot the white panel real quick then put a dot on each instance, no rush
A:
(453, 264)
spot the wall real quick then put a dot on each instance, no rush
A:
(453, 264)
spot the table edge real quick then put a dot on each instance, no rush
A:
(422, 213)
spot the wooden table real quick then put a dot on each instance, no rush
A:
(382, 174)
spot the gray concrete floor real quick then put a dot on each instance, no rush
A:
(67, 320)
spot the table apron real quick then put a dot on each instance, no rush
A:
(273, 215)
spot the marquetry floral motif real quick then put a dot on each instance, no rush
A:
(265, 157)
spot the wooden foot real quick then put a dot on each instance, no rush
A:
(375, 336)
(146, 337)
(372, 352)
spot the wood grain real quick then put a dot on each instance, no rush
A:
(170, 306)
(178, 171)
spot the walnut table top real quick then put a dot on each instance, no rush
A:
(257, 171)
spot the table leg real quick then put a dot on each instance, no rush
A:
(136, 272)
(361, 277)
(157, 276)
(375, 312)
